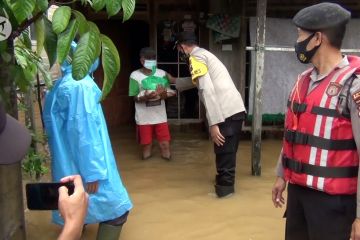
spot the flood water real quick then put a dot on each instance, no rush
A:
(175, 201)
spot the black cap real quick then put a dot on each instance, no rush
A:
(14, 139)
(321, 16)
(148, 53)
(186, 37)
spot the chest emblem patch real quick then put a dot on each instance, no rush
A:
(333, 89)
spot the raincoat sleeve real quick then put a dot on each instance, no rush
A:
(82, 130)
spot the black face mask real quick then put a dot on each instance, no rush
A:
(302, 54)
(184, 57)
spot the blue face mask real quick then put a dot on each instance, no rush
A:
(150, 64)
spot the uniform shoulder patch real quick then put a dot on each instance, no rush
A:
(356, 97)
(197, 69)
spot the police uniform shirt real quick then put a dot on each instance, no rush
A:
(217, 90)
(351, 107)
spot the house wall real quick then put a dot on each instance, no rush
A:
(128, 37)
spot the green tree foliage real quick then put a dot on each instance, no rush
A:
(20, 63)
(18, 57)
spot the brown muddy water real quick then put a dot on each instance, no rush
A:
(175, 201)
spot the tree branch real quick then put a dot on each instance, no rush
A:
(27, 23)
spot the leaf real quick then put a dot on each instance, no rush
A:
(87, 50)
(98, 5)
(83, 24)
(21, 9)
(30, 72)
(128, 7)
(25, 38)
(5, 11)
(45, 75)
(42, 5)
(111, 64)
(93, 27)
(3, 46)
(84, 2)
(19, 78)
(20, 57)
(6, 57)
(50, 42)
(23, 73)
(40, 35)
(113, 7)
(64, 40)
(61, 19)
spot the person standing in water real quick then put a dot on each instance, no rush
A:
(149, 86)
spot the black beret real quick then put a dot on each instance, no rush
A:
(321, 16)
(147, 53)
(186, 37)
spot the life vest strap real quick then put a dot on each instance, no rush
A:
(301, 107)
(319, 171)
(325, 112)
(297, 107)
(319, 142)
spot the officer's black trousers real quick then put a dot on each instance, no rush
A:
(226, 154)
(315, 215)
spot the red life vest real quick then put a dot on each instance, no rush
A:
(319, 150)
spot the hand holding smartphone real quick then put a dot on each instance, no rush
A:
(45, 196)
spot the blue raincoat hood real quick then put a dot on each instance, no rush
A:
(66, 67)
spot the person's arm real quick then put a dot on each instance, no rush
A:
(279, 185)
(73, 208)
(355, 122)
(184, 83)
(164, 92)
(201, 76)
(134, 91)
(82, 133)
(146, 96)
(168, 92)
(208, 94)
(171, 78)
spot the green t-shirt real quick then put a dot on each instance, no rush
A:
(147, 82)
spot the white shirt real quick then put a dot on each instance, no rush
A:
(145, 115)
(217, 90)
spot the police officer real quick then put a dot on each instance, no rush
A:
(224, 106)
(320, 154)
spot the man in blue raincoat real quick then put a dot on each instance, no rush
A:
(80, 144)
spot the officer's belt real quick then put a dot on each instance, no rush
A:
(301, 107)
(319, 171)
(319, 142)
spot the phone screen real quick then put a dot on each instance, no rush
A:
(45, 196)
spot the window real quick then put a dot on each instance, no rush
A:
(186, 105)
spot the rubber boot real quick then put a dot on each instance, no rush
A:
(224, 191)
(108, 232)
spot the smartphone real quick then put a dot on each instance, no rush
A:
(45, 196)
